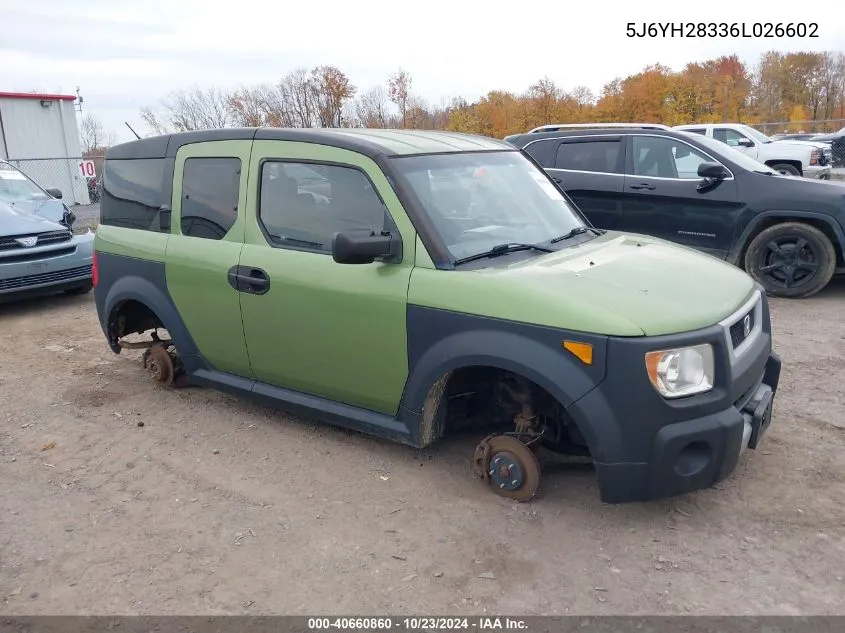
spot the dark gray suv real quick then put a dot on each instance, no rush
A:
(786, 232)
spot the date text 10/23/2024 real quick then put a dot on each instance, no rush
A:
(416, 623)
(723, 29)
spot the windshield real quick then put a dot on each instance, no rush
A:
(743, 160)
(756, 134)
(15, 187)
(479, 200)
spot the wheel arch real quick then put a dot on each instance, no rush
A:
(826, 224)
(132, 290)
(554, 370)
(787, 161)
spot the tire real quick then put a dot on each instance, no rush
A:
(771, 259)
(790, 169)
(81, 289)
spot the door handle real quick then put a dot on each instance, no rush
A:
(642, 185)
(248, 279)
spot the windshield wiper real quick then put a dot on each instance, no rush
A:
(578, 230)
(504, 249)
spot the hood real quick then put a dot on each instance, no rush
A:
(20, 218)
(615, 284)
(792, 193)
(794, 142)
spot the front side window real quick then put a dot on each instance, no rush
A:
(594, 156)
(663, 157)
(302, 205)
(210, 188)
(479, 200)
(729, 137)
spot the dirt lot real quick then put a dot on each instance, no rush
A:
(218, 506)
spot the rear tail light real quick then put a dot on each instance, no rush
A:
(95, 272)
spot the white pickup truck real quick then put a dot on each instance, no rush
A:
(797, 158)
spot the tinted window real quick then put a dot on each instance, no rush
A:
(664, 157)
(304, 205)
(210, 196)
(133, 192)
(730, 137)
(542, 152)
(601, 156)
(697, 130)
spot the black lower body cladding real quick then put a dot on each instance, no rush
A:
(122, 279)
(643, 446)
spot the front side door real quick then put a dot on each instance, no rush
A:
(591, 171)
(326, 329)
(207, 232)
(666, 198)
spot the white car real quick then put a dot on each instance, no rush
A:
(796, 158)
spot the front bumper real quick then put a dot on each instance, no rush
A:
(699, 453)
(646, 447)
(46, 269)
(817, 172)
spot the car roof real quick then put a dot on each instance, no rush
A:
(370, 142)
(521, 140)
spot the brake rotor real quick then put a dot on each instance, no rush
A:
(512, 468)
(159, 365)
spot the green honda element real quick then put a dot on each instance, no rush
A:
(413, 285)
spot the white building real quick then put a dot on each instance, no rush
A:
(40, 136)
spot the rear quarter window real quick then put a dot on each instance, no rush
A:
(542, 152)
(133, 193)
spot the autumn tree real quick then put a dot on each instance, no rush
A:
(330, 90)
(399, 91)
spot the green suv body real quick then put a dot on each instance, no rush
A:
(410, 284)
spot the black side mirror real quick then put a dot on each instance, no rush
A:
(361, 246)
(745, 142)
(56, 193)
(712, 171)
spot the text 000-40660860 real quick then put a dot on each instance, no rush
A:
(722, 29)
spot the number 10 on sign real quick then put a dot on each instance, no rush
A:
(87, 169)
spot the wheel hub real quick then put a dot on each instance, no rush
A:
(506, 472)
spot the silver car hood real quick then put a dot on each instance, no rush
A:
(35, 216)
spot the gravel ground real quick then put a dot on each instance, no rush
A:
(218, 506)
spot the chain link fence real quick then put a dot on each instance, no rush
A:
(830, 131)
(65, 174)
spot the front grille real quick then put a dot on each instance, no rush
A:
(50, 237)
(58, 276)
(738, 334)
(827, 156)
(28, 256)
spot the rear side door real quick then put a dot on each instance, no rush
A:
(207, 235)
(591, 171)
(665, 197)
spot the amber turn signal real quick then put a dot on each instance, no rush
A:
(582, 351)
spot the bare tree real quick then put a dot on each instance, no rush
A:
(371, 108)
(94, 139)
(191, 109)
(399, 90)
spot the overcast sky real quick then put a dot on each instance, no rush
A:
(128, 53)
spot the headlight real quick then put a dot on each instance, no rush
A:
(681, 372)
